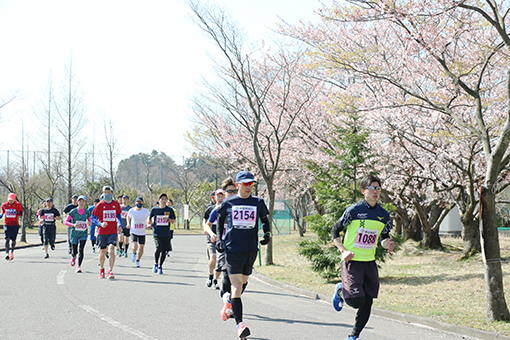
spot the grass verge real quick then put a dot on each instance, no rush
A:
(428, 283)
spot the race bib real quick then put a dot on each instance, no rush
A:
(80, 225)
(162, 220)
(49, 217)
(244, 216)
(138, 226)
(109, 216)
(365, 238)
(10, 213)
(123, 214)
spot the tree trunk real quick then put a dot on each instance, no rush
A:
(431, 239)
(494, 292)
(268, 257)
(413, 230)
(470, 237)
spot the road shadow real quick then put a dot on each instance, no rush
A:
(423, 280)
(275, 294)
(304, 322)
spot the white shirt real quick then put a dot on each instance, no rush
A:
(138, 220)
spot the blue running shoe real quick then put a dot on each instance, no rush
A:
(352, 337)
(133, 257)
(137, 264)
(338, 301)
(160, 270)
(155, 268)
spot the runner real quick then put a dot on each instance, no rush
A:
(137, 219)
(12, 210)
(93, 227)
(364, 222)
(79, 219)
(125, 207)
(161, 218)
(229, 188)
(210, 232)
(41, 224)
(48, 217)
(107, 212)
(120, 234)
(242, 213)
(67, 209)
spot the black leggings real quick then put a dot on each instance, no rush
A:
(364, 306)
(75, 250)
(10, 243)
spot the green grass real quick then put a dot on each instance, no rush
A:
(431, 284)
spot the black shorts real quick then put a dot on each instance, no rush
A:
(241, 263)
(50, 233)
(11, 231)
(104, 240)
(126, 231)
(360, 279)
(140, 239)
(221, 264)
(163, 243)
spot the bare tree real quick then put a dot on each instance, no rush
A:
(70, 111)
(112, 145)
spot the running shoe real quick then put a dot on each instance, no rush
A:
(133, 257)
(7, 257)
(338, 301)
(208, 283)
(47, 256)
(78, 269)
(160, 270)
(73, 261)
(93, 250)
(215, 285)
(101, 273)
(155, 268)
(242, 330)
(125, 254)
(110, 275)
(53, 248)
(352, 337)
(11, 255)
(69, 250)
(226, 311)
(137, 264)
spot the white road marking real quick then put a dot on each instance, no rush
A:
(114, 323)
(60, 277)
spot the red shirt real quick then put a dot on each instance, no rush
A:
(107, 212)
(12, 213)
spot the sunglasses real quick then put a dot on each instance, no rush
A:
(249, 184)
(231, 191)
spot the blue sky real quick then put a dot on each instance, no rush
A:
(137, 61)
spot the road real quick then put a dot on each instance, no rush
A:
(46, 299)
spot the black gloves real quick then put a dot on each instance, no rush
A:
(220, 246)
(265, 239)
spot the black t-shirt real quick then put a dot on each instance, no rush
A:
(49, 216)
(207, 213)
(69, 207)
(161, 226)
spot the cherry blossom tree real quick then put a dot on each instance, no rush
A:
(251, 111)
(444, 66)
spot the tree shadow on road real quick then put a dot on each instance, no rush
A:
(293, 321)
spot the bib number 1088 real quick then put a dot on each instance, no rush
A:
(365, 238)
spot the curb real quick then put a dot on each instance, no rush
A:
(463, 331)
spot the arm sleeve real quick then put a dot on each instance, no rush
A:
(340, 225)
(119, 219)
(68, 221)
(95, 221)
(213, 216)
(220, 221)
(266, 226)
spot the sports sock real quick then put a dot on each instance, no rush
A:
(237, 309)
(210, 277)
(126, 247)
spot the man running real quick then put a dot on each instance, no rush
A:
(125, 207)
(161, 218)
(79, 219)
(67, 209)
(12, 210)
(107, 212)
(210, 232)
(120, 234)
(242, 212)
(41, 224)
(137, 219)
(48, 216)
(93, 226)
(364, 222)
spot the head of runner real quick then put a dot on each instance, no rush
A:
(139, 203)
(74, 199)
(244, 183)
(82, 201)
(163, 198)
(11, 198)
(125, 200)
(49, 203)
(220, 196)
(107, 193)
(371, 189)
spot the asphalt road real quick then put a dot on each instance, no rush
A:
(46, 299)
